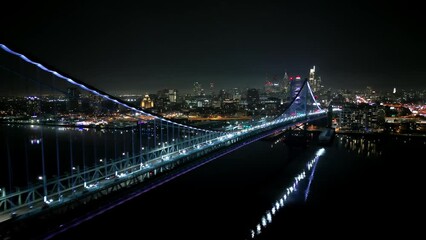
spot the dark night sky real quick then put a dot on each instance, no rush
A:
(140, 46)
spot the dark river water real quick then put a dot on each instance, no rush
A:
(360, 186)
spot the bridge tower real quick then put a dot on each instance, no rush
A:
(108, 143)
(298, 92)
(298, 135)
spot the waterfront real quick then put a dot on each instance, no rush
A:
(361, 186)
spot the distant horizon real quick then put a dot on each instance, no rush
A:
(141, 92)
(189, 91)
(255, 81)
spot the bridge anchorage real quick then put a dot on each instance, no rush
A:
(67, 143)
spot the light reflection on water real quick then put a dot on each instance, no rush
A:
(361, 146)
(309, 170)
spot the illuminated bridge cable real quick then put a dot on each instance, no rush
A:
(292, 101)
(313, 97)
(96, 91)
(48, 86)
(159, 151)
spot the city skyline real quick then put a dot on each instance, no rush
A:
(297, 112)
(124, 47)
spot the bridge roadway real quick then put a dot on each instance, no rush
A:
(135, 174)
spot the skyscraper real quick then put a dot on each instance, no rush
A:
(147, 102)
(197, 89)
(212, 88)
(314, 81)
(285, 83)
(73, 97)
(252, 98)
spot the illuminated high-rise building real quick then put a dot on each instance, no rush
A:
(212, 89)
(252, 98)
(198, 91)
(285, 83)
(73, 97)
(312, 74)
(147, 102)
(236, 94)
(314, 81)
(172, 94)
(272, 85)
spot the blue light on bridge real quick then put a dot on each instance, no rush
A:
(157, 154)
(23, 57)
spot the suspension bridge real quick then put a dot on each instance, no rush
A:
(65, 142)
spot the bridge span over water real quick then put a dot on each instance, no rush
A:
(52, 158)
